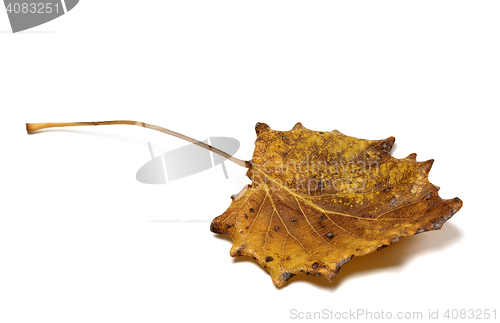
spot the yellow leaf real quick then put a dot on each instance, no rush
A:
(318, 199)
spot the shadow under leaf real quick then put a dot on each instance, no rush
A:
(396, 255)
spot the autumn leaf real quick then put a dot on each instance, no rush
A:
(318, 199)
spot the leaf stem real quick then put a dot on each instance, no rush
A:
(33, 127)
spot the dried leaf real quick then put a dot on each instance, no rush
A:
(318, 199)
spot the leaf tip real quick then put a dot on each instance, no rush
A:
(260, 126)
(298, 126)
(215, 226)
(281, 278)
(220, 227)
(236, 251)
(458, 203)
(387, 144)
(426, 165)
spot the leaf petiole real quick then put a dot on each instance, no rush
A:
(33, 127)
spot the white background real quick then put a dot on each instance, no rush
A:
(82, 241)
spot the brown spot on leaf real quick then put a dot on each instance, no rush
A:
(286, 276)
